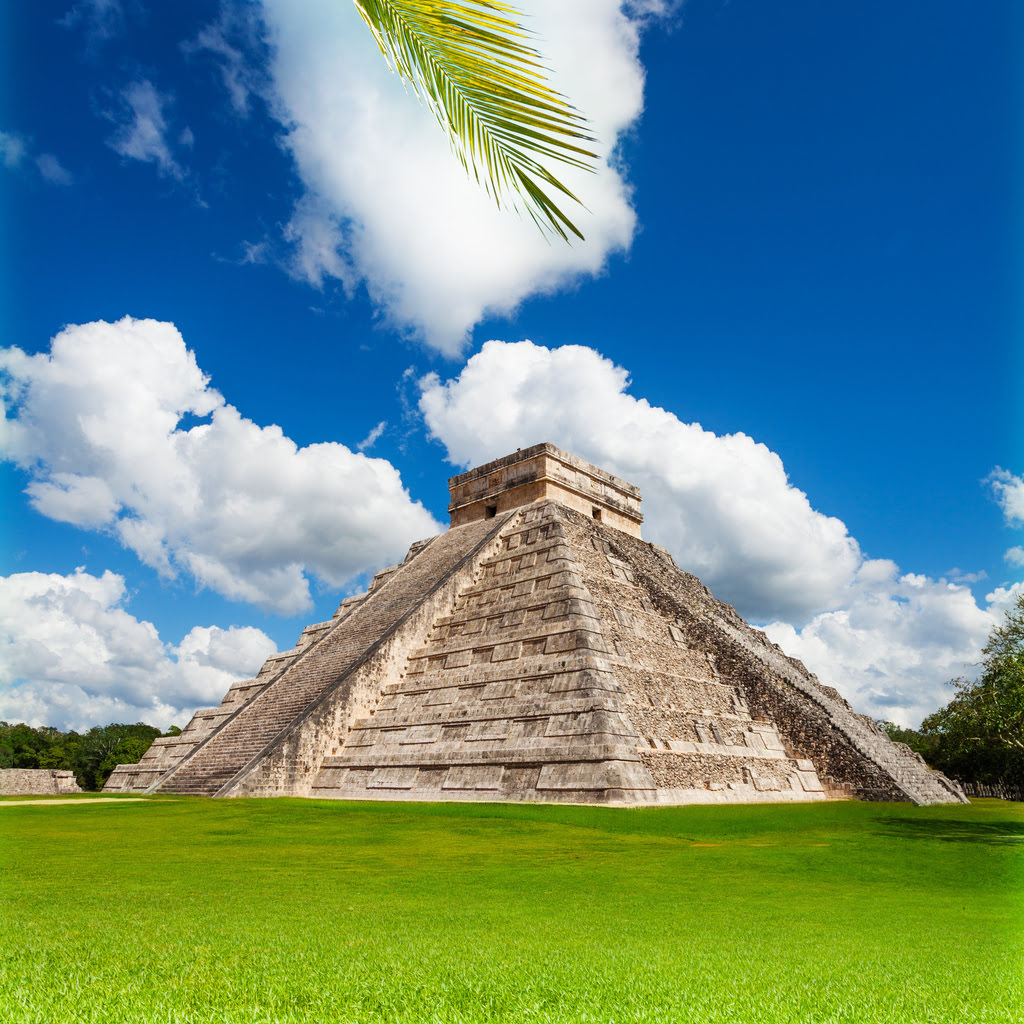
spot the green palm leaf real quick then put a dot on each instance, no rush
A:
(468, 61)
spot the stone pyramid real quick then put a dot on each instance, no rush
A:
(538, 650)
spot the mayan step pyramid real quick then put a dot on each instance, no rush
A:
(539, 650)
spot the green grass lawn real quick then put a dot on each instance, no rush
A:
(295, 910)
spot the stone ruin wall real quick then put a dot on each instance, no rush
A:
(37, 782)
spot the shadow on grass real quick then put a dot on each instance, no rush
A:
(994, 833)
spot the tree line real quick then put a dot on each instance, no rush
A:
(978, 736)
(91, 755)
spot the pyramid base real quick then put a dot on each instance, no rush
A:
(608, 798)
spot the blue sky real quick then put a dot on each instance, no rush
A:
(804, 236)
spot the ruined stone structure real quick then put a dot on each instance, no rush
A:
(538, 650)
(37, 782)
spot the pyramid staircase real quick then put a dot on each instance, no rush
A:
(527, 690)
(236, 733)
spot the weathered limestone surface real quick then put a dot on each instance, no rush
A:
(544, 471)
(37, 782)
(167, 751)
(300, 680)
(539, 651)
(851, 754)
(378, 641)
(507, 696)
(531, 689)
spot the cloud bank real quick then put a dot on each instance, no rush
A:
(726, 509)
(384, 204)
(897, 641)
(240, 508)
(73, 657)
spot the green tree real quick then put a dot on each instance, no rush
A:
(99, 748)
(24, 746)
(92, 756)
(128, 751)
(979, 734)
(913, 738)
(6, 746)
(56, 756)
(468, 62)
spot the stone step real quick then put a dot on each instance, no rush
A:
(311, 672)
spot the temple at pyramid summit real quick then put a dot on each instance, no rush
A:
(538, 650)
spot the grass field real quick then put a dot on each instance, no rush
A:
(289, 910)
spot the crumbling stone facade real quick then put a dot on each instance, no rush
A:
(538, 650)
(37, 782)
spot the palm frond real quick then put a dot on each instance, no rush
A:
(469, 61)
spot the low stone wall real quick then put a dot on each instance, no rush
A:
(993, 789)
(36, 782)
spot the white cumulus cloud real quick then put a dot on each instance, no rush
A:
(723, 505)
(1008, 489)
(241, 508)
(726, 509)
(71, 656)
(894, 646)
(384, 202)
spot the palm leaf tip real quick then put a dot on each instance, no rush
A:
(470, 61)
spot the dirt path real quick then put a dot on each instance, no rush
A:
(94, 800)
